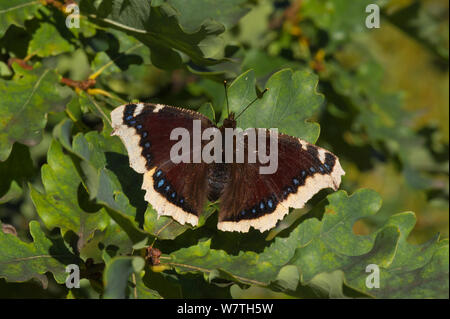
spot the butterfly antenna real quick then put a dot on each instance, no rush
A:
(258, 97)
(226, 96)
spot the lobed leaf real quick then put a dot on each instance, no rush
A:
(25, 102)
(158, 28)
(122, 280)
(21, 261)
(193, 14)
(47, 41)
(16, 12)
(323, 247)
(291, 100)
(64, 203)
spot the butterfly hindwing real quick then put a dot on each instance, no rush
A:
(177, 190)
(251, 199)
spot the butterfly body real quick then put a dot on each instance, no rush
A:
(247, 198)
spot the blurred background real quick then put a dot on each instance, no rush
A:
(386, 89)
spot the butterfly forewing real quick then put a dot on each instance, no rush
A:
(173, 189)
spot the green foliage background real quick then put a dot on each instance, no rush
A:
(378, 98)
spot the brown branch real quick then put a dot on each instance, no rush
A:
(22, 63)
(81, 85)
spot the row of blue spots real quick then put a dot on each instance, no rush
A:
(131, 121)
(163, 187)
(298, 181)
(287, 191)
(129, 109)
(167, 188)
(128, 113)
(323, 168)
(145, 144)
(265, 206)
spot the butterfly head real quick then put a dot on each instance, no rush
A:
(229, 121)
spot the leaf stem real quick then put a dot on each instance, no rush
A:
(104, 67)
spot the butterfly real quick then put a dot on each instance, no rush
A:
(246, 197)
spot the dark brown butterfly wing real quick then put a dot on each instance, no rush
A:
(177, 190)
(251, 199)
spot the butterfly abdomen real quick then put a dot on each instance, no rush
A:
(218, 177)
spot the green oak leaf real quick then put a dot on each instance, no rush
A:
(122, 279)
(292, 98)
(113, 241)
(264, 64)
(26, 100)
(16, 12)
(139, 289)
(64, 203)
(157, 28)
(21, 261)
(192, 14)
(340, 18)
(17, 169)
(417, 271)
(320, 247)
(4, 70)
(47, 41)
(207, 110)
